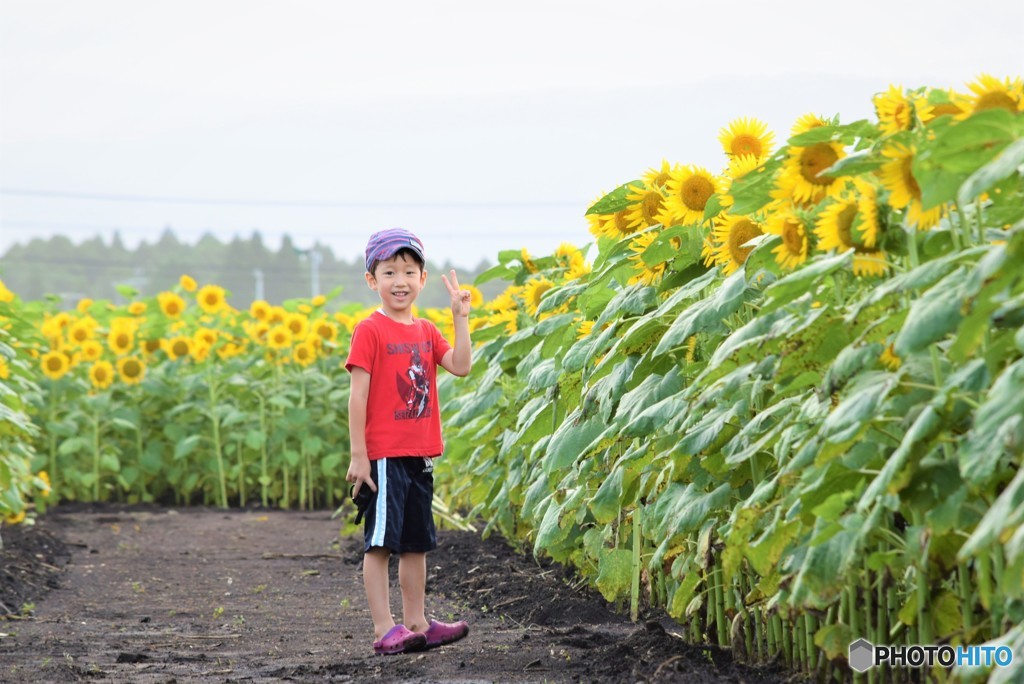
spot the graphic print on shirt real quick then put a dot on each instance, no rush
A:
(414, 385)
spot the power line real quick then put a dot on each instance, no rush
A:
(155, 199)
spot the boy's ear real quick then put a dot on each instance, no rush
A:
(371, 282)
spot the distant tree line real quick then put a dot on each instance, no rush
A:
(95, 268)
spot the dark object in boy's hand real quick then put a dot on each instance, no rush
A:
(362, 501)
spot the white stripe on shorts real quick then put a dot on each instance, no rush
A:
(380, 519)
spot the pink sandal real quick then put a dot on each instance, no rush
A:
(399, 640)
(440, 633)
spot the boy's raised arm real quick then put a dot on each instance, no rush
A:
(459, 359)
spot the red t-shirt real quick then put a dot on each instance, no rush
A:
(402, 413)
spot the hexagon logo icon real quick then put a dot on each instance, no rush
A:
(862, 655)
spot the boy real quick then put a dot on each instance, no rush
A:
(395, 431)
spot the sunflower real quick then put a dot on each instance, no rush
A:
(211, 299)
(890, 359)
(527, 261)
(137, 308)
(277, 315)
(506, 301)
(14, 518)
(260, 310)
(801, 179)
(948, 102)
(131, 370)
(91, 350)
(200, 351)
(230, 350)
(304, 354)
(584, 329)
(207, 336)
(578, 267)
(792, 251)
(535, 290)
(689, 189)
(595, 222)
(188, 283)
(740, 166)
(101, 374)
(171, 304)
(729, 237)
(565, 252)
(897, 113)
(617, 225)
(319, 300)
(808, 122)
(838, 228)
(121, 339)
(178, 347)
(82, 330)
(476, 297)
(508, 318)
(297, 324)
(279, 337)
(5, 294)
(648, 274)
(747, 136)
(325, 330)
(988, 92)
(151, 346)
(647, 206)
(5, 370)
(657, 178)
(83, 305)
(868, 227)
(897, 176)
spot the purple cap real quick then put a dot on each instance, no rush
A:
(385, 244)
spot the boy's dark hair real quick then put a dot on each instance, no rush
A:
(403, 252)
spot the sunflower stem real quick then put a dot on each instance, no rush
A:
(264, 475)
(217, 447)
(96, 454)
(54, 480)
(915, 259)
(965, 226)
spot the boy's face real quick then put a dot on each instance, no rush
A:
(398, 281)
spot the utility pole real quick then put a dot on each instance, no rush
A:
(258, 275)
(315, 259)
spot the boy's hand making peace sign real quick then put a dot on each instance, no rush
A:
(460, 298)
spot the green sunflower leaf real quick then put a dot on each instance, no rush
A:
(614, 201)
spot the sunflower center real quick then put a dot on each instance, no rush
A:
(100, 374)
(122, 340)
(180, 348)
(741, 232)
(622, 224)
(212, 299)
(816, 159)
(539, 291)
(945, 108)
(996, 100)
(653, 203)
(908, 178)
(844, 225)
(747, 144)
(793, 237)
(695, 192)
(54, 364)
(80, 334)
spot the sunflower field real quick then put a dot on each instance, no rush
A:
(783, 402)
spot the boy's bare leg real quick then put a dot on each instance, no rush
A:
(412, 577)
(375, 580)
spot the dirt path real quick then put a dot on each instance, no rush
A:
(200, 595)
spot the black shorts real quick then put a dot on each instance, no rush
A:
(399, 516)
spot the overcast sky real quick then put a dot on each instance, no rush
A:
(481, 126)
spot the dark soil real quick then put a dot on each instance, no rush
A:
(149, 594)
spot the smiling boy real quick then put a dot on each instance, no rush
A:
(395, 432)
